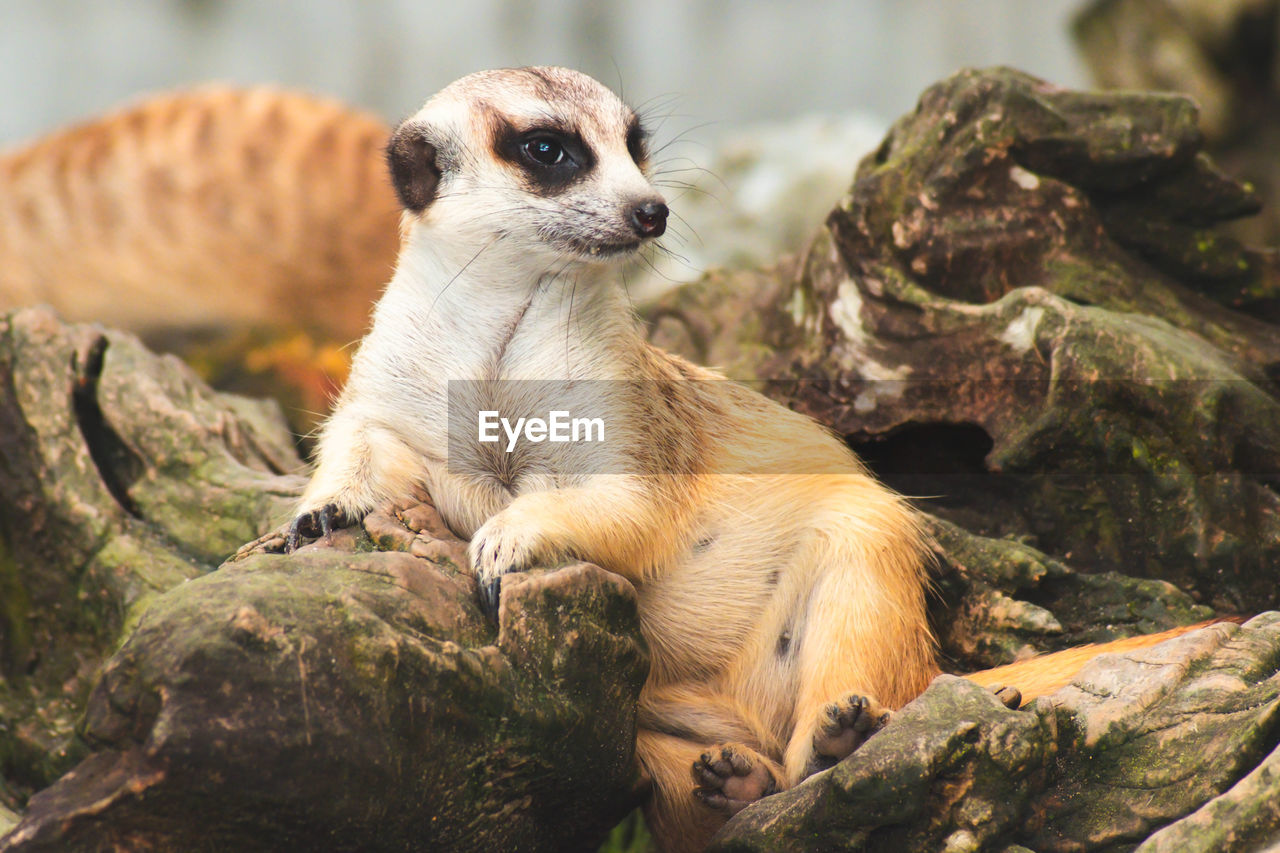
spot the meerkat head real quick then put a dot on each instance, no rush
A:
(546, 160)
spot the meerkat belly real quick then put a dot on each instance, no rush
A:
(722, 607)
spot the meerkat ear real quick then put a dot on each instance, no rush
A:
(414, 171)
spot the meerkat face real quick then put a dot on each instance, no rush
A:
(546, 160)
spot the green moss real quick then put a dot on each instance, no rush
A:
(15, 613)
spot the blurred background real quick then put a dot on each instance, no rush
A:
(778, 100)
(721, 62)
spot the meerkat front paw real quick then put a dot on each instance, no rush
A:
(313, 524)
(844, 726)
(505, 543)
(288, 537)
(731, 778)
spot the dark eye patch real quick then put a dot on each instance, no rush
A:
(551, 156)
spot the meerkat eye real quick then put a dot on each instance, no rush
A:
(544, 150)
(551, 157)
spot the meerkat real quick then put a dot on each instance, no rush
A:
(781, 588)
(522, 190)
(140, 218)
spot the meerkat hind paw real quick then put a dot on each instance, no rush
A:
(730, 778)
(843, 727)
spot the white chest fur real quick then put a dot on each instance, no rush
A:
(457, 334)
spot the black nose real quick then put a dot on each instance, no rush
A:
(649, 218)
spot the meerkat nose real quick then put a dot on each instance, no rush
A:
(649, 218)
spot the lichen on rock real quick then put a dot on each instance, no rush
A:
(123, 475)
(343, 694)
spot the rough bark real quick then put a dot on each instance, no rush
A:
(341, 700)
(121, 475)
(1226, 55)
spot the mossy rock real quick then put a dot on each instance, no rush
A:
(344, 698)
(1149, 748)
(121, 475)
(984, 321)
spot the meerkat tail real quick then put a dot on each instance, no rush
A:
(1045, 674)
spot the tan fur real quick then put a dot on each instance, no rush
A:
(847, 555)
(850, 592)
(206, 208)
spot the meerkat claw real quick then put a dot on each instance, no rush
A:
(294, 540)
(327, 518)
(318, 522)
(490, 595)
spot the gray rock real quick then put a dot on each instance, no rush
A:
(348, 699)
(1222, 54)
(1000, 600)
